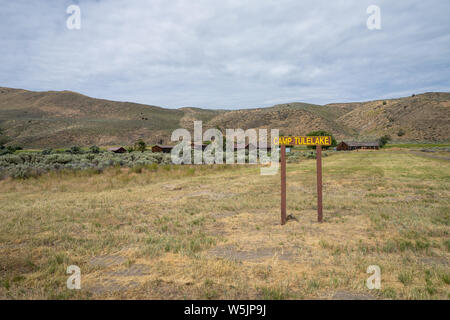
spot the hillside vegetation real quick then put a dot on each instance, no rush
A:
(64, 118)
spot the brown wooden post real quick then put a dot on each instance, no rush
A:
(319, 182)
(283, 184)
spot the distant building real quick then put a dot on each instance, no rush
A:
(348, 146)
(161, 148)
(117, 150)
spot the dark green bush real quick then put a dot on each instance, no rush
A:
(75, 150)
(4, 151)
(140, 145)
(384, 140)
(13, 149)
(94, 149)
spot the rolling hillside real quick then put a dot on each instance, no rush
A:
(424, 117)
(64, 118)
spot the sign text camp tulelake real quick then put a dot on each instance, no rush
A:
(317, 141)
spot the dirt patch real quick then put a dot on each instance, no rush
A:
(427, 155)
(134, 270)
(219, 215)
(436, 261)
(107, 261)
(13, 245)
(171, 187)
(15, 263)
(167, 290)
(111, 286)
(210, 194)
(299, 188)
(230, 252)
(347, 295)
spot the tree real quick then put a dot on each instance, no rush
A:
(322, 133)
(383, 140)
(140, 145)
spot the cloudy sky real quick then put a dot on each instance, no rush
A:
(227, 53)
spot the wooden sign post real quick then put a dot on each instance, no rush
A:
(317, 141)
(283, 183)
(319, 182)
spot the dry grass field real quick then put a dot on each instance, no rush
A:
(206, 232)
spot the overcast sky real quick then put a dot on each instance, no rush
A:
(227, 53)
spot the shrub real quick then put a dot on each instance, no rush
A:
(4, 151)
(11, 149)
(74, 150)
(140, 145)
(137, 169)
(46, 151)
(401, 132)
(94, 149)
(3, 138)
(405, 277)
(63, 159)
(447, 244)
(389, 293)
(384, 140)
(384, 103)
(25, 164)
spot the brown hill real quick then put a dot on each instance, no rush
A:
(61, 119)
(291, 119)
(424, 117)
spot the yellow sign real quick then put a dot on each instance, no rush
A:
(305, 141)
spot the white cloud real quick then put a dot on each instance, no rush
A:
(226, 54)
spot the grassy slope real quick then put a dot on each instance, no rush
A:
(57, 119)
(424, 117)
(290, 118)
(203, 232)
(61, 119)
